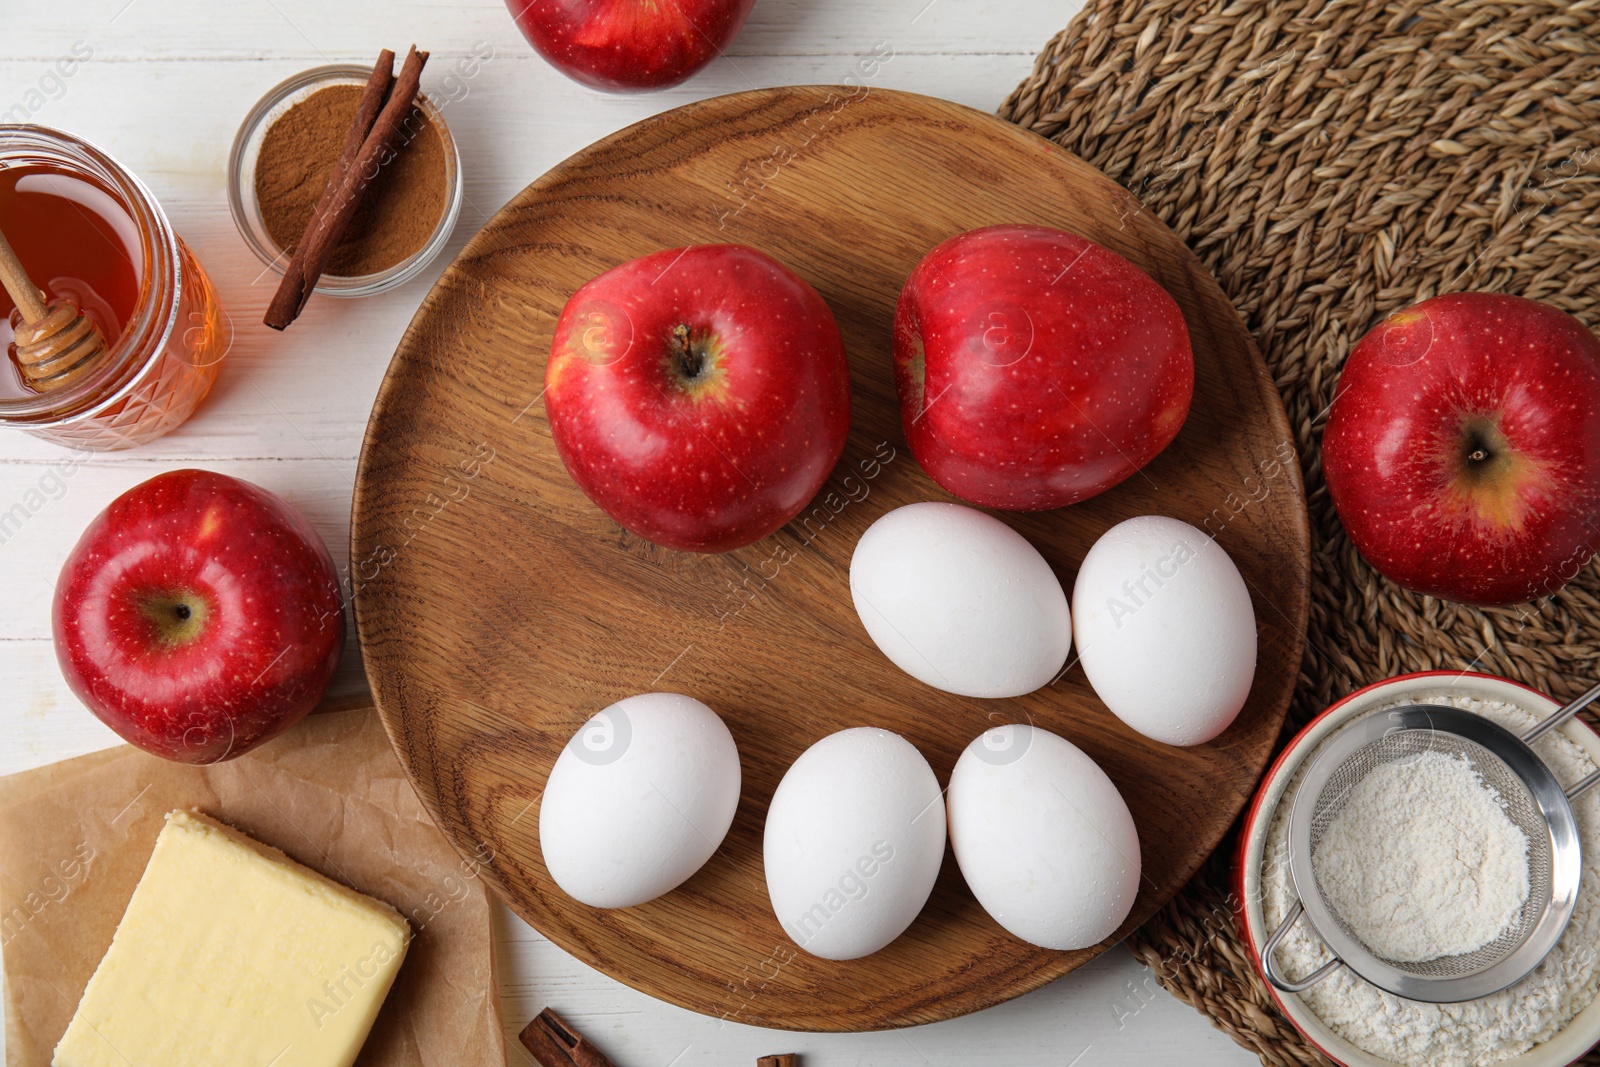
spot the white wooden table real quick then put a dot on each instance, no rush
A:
(164, 90)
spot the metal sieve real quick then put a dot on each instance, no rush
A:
(1534, 801)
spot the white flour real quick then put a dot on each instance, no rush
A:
(1422, 860)
(1477, 1032)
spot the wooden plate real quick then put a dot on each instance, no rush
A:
(498, 609)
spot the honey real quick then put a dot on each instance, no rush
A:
(88, 231)
(78, 243)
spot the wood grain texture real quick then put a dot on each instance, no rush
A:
(498, 609)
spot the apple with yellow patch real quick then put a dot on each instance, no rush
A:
(198, 616)
(1462, 450)
(699, 396)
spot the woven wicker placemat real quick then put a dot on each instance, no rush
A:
(1332, 162)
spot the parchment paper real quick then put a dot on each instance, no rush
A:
(75, 837)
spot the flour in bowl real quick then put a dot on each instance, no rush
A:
(1422, 860)
(1477, 1032)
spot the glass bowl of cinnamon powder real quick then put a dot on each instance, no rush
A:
(280, 162)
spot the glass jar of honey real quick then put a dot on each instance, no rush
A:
(88, 231)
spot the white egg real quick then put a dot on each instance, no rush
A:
(638, 800)
(854, 838)
(1165, 630)
(1043, 838)
(961, 601)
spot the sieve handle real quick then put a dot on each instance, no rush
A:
(1584, 785)
(1559, 717)
(1270, 969)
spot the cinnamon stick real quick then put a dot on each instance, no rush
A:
(553, 1043)
(339, 202)
(373, 95)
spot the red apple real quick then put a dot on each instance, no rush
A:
(198, 616)
(1036, 368)
(1462, 450)
(629, 45)
(700, 396)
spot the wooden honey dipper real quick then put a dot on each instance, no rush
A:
(57, 345)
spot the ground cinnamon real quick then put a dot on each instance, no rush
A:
(401, 208)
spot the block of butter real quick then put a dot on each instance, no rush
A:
(233, 955)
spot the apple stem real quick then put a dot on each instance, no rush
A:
(688, 358)
(1484, 449)
(1480, 442)
(178, 616)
